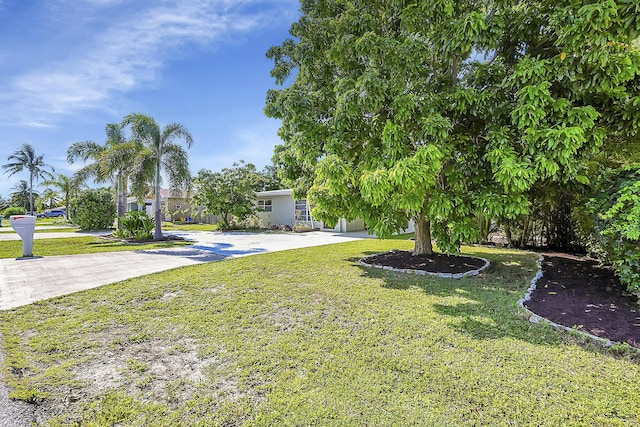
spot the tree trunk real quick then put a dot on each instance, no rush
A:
(423, 237)
(157, 234)
(120, 202)
(31, 194)
(507, 234)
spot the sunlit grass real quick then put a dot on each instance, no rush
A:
(188, 227)
(78, 245)
(308, 337)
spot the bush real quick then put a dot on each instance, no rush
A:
(13, 210)
(93, 209)
(616, 216)
(136, 225)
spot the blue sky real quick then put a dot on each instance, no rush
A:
(69, 67)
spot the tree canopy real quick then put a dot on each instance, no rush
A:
(229, 193)
(115, 161)
(441, 110)
(160, 152)
(26, 158)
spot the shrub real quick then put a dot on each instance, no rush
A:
(616, 218)
(136, 225)
(93, 209)
(13, 210)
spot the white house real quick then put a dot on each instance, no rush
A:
(277, 207)
(174, 207)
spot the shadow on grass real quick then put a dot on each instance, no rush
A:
(489, 310)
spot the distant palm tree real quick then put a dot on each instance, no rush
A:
(25, 158)
(21, 194)
(114, 161)
(4, 203)
(68, 186)
(160, 152)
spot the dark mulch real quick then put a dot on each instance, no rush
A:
(436, 263)
(576, 291)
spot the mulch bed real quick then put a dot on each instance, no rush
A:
(576, 291)
(436, 263)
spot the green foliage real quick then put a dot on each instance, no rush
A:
(136, 225)
(25, 158)
(444, 111)
(21, 194)
(616, 213)
(228, 193)
(13, 210)
(269, 179)
(117, 161)
(93, 209)
(159, 152)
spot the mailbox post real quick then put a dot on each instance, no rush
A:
(24, 226)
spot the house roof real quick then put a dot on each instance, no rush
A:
(274, 193)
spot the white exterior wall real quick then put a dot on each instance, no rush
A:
(282, 211)
(344, 226)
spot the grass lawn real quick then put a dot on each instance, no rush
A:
(77, 245)
(308, 337)
(188, 227)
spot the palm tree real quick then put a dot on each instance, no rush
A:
(4, 203)
(68, 186)
(113, 161)
(21, 194)
(161, 152)
(25, 158)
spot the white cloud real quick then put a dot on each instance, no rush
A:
(115, 48)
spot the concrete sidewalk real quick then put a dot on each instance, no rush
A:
(27, 280)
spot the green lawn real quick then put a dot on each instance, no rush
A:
(77, 245)
(308, 337)
(188, 227)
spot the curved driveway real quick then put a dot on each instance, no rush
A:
(27, 280)
(24, 281)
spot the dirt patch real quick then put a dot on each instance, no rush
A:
(577, 292)
(436, 263)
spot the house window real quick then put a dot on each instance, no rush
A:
(265, 205)
(302, 213)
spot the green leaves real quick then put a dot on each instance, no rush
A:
(430, 109)
(617, 209)
(229, 193)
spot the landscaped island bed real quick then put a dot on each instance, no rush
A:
(309, 337)
(578, 292)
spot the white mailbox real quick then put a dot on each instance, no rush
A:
(24, 226)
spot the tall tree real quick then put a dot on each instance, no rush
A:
(21, 194)
(26, 158)
(4, 203)
(268, 179)
(68, 186)
(443, 110)
(161, 153)
(228, 193)
(114, 161)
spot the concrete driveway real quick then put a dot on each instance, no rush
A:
(27, 280)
